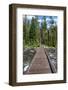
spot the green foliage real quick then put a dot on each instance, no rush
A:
(33, 36)
(44, 24)
(52, 37)
(26, 27)
(43, 31)
(32, 32)
(52, 34)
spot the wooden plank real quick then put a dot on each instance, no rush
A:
(39, 63)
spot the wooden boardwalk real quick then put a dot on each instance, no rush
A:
(39, 63)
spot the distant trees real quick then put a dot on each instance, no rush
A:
(52, 33)
(31, 32)
(35, 35)
(49, 36)
(43, 31)
(37, 31)
(26, 28)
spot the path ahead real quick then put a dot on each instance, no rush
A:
(39, 63)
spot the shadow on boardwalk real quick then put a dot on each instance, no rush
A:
(39, 63)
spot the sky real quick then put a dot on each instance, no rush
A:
(40, 19)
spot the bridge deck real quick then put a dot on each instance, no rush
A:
(39, 63)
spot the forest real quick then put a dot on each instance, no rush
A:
(38, 33)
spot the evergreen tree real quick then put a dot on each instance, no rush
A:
(37, 31)
(43, 32)
(26, 27)
(32, 32)
(44, 25)
(52, 32)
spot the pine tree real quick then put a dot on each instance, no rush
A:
(37, 31)
(52, 33)
(32, 32)
(44, 27)
(26, 27)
